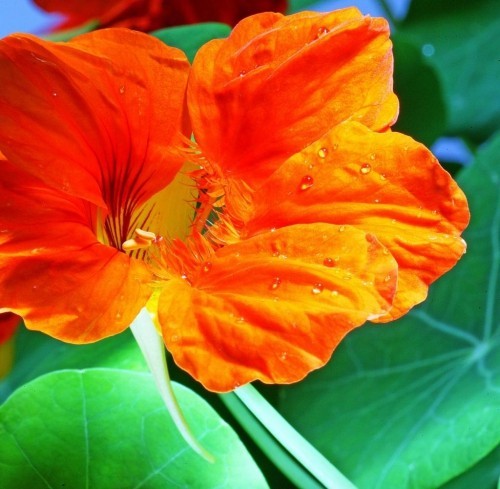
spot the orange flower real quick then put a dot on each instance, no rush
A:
(148, 15)
(324, 218)
(313, 216)
(87, 130)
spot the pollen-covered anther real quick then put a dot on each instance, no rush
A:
(142, 239)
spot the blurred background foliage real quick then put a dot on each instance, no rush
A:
(411, 404)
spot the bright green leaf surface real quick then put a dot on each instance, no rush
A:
(190, 38)
(415, 403)
(37, 354)
(483, 475)
(108, 429)
(460, 38)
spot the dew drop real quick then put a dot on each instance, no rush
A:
(428, 50)
(322, 152)
(322, 31)
(283, 356)
(306, 182)
(174, 338)
(122, 89)
(54, 94)
(243, 72)
(207, 266)
(387, 278)
(335, 293)
(35, 287)
(241, 319)
(365, 168)
(184, 276)
(341, 229)
(373, 156)
(118, 316)
(275, 283)
(317, 288)
(329, 262)
(376, 201)
(383, 177)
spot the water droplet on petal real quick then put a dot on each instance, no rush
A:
(383, 177)
(35, 287)
(306, 182)
(322, 152)
(283, 355)
(54, 94)
(317, 288)
(365, 168)
(243, 73)
(122, 89)
(335, 292)
(329, 262)
(322, 31)
(373, 156)
(174, 338)
(118, 315)
(241, 319)
(275, 283)
(207, 266)
(387, 278)
(341, 229)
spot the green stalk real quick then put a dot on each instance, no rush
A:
(268, 444)
(151, 345)
(295, 443)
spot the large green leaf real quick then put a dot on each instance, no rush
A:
(423, 111)
(37, 354)
(415, 403)
(460, 38)
(108, 429)
(190, 38)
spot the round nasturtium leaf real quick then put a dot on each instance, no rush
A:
(108, 429)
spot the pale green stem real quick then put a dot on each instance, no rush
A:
(295, 443)
(151, 345)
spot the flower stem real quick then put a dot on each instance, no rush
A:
(297, 445)
(152, 348)
(268, 444)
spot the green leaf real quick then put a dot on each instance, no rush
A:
(414, 403)
(484, 474)
(423, 111)
(460, 38)
(299, 5)
(190, 38)
(108, 429)
(37, 354)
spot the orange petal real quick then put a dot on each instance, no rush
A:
(97, 117)
(53, 271)
(386, 184)
(275, 306)
(278, 83)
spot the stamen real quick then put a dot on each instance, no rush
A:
(142, 239)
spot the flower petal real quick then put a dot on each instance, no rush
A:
(97, 117)
(386, 184)
(278, 83)
(275, 306)
(8, 325)
(53, 271)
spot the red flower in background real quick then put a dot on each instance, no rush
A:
(148, 15)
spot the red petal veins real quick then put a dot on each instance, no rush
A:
(274, 86)
(269, 308)
(385, 184)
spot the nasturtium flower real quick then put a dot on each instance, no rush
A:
(88, 131)
(324, 217)
(312, 217)
(148, 15)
